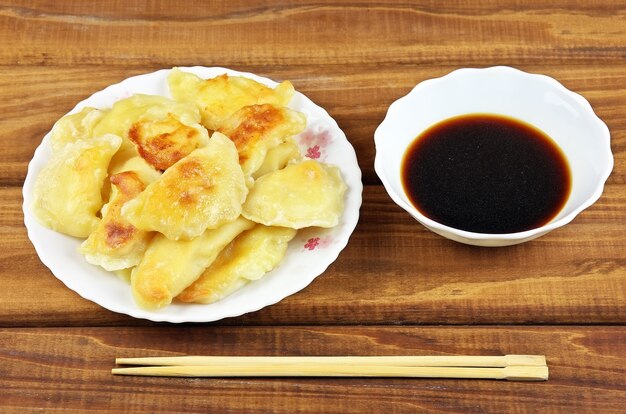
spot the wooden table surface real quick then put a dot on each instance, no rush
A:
(396, 289)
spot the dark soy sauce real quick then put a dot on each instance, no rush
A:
(487, 174)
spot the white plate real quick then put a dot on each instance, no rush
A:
(308, 255)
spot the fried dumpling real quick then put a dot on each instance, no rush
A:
(115, 243)
(74, 127)
(169, 266)
(152, 121)
(219, 97)
(138, 165)
(184, 86)
(67, 194)
(125, 112)
(278, 157)
(202, 191)
(164, 142)
(300, 195)
(255, 129)
(131, 161)
(250, 256)
(124, 274)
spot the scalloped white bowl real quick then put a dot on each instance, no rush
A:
(308, 254)
(539, 100)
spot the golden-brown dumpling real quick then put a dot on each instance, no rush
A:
(169, 266)
(115, 243)
(250, 256)
(138, 165)
(302, 194)
(163, 142)
(125, 112)
(278, 157)
(221, 96)
(255, 129)
(129, 161)
(202, 191)
(143, 114)
(74, 127)
(67, 194)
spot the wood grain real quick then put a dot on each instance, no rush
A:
(356, 98)
(392, 271)
(396, 289)
(311, 34)
(586, 370)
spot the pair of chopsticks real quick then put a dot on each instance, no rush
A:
(507, 367)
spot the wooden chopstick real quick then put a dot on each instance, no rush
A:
(518, 373)
(509, 367)
(416, 361)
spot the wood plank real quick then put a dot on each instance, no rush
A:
(392, 271)
(355, 96)
(396, 32)
(68, 369)
(395, 281)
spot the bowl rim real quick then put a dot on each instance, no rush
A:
(549, 82)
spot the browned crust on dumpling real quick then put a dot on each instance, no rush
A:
(116, 244)
(117, 230)
(256, 121)
(203, 190)
(118, 234)
(163, 149)
(128, 182)
(191, 168)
